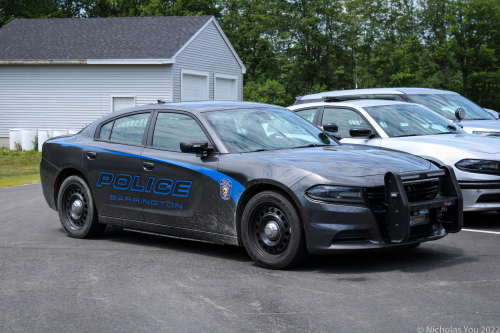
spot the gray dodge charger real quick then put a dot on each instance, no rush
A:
(244, 174)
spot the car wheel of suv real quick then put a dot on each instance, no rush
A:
(272, 231)
(77, 210)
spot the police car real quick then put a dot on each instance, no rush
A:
(244, 174)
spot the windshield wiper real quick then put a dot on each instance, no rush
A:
(445, 133)
(310, 145)
(400, 136)
(253, 151)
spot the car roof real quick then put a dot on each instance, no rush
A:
(356, 102)
(192, 107)
(371, 91)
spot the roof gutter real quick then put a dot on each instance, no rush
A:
(42, 62)
(129, 61)
(89, 62)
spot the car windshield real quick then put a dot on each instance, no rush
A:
(247, 130)
(446, 105)
(399, 120)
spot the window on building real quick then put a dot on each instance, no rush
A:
(121, 102)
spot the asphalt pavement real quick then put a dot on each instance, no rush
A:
(129, 282)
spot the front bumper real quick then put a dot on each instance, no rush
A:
(334, 228)
(480, 196)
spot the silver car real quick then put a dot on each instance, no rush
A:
(414, 129)
(476, 121)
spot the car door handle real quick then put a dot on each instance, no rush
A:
(148, 166)
(91, 155)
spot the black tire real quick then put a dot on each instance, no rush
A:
(288, 247)
(79, 220)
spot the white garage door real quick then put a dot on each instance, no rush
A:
(225, 89)
(194, 87)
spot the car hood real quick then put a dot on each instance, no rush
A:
(347, 161)
(441, 147)
(448, 142)
(480, 125)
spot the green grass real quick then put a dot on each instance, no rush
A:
(19, 167)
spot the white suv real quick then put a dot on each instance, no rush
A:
(476, 121)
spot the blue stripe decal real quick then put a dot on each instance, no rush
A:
(236, 190)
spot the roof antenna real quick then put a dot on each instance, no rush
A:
(160, 101)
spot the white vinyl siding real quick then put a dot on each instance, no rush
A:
(72, 96)
(207, 52)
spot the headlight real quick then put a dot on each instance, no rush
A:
(480, 166)
(336, 193)
(482, 133)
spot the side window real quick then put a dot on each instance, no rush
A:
(172, 128)
(105, 131)
(130, 129)
(307, 114)
(344, 118)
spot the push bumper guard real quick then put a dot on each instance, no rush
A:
(399, 207)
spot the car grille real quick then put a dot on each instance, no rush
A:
(415, 192)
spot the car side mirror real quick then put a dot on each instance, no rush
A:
(361, 132)
(331, 127)
(198, 146)
(460, 114)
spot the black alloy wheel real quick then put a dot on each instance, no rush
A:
(77, 210)
(272, 231)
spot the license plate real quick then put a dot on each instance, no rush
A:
(421, 218)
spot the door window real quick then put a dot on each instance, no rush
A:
(344, 118)
(308, 114)
(130, 130)
(172, 128)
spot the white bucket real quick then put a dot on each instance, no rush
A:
(59, 132)
(43, 135)
(73, 131)
(15, 135)
(28, 139)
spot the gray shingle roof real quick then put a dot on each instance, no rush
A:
(97, 38)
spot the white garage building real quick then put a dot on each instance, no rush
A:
(66, 73)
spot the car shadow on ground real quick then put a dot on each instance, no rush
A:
(117, 234)
(418, 260)
(487, 221)
(427, 257)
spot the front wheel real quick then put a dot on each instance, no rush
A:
(272, 231)
(77, 210)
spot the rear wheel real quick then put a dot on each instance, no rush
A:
(77, 210)
(272, 231)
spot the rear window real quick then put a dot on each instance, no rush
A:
(128, 130)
